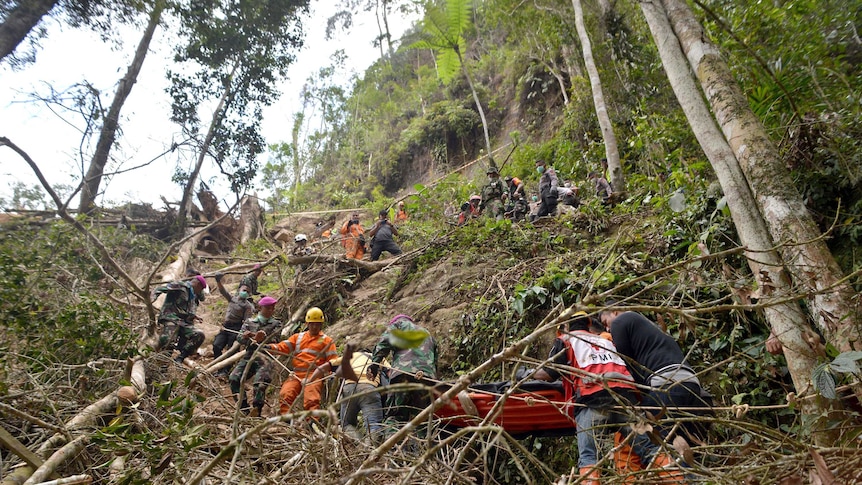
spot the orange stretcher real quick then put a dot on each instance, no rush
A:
(535, 408)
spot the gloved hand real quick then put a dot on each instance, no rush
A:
(219, 276)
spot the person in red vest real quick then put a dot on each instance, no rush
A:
(599, 416)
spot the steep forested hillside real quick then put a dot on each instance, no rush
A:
(734, 153)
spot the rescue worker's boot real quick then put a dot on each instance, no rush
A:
(626, 462)
(669, 472)
(591, 475)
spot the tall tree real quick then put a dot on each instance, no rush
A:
(611, 151)
(322, 97)
(108, 133)
(21, 17)
(233, 51)
(19, 21)
(804, 250)
(443, 32)
(786, 318)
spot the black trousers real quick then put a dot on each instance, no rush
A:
(387, 245)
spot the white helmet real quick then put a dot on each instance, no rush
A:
(300, 237)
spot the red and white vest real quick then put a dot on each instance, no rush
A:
(597, 356)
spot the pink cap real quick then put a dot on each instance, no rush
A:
(201, 280)
(267, 301)
(257, 266)
(399, 317)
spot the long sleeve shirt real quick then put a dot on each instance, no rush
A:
(308, 351)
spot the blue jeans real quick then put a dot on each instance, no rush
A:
(361, 397)
(596, 428)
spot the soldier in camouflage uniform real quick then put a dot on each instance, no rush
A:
(517, 209)
(250, 280)
(178, 316)
(407, 366)
(239, 308)
(492, 194)
(254, 331)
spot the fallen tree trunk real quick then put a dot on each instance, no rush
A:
(85, 418)
(214, 367)
(369, 266)
(73, 480)
(32, 460)
(88, 417)
(227, 353)
(58, 458)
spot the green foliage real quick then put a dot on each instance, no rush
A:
(233, 54)
(24, 198)
(52, 305)
(443, 30)
(825, 375)
(177, 438)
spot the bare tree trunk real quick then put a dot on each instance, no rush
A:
(572, 66)
(107, 135)
(787, 319)
(804, 249)
(250, 219)
(478, 107)
(379, 28)
(387, 35)
(20, 22)
(185, 204)
(296, 154)
(610, 139)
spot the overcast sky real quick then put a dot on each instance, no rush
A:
(70, 56)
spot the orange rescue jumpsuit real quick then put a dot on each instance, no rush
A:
(310, 353)
(350, 240)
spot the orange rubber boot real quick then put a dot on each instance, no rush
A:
(626, 462)
(668, 471)
(591, 475)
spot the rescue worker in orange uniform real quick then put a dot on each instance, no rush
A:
(353, 237)
(401, 215)
(310, 349)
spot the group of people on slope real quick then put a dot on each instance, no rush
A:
(311, 352)
(313, 356)
(507, 198)
(177, 316)
(620, 361)
(382, 234)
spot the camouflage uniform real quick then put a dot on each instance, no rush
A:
(238, 310)
(178, 317)
(492, 198)
(403, 406)
(518, 209)
(250, 281)
(258, 365)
